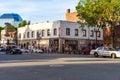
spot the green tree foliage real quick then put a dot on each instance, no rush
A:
(28, 22)
(23, 23)
(10, 28)
(99, 12)
(1, 28)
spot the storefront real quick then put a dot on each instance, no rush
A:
(54, 44)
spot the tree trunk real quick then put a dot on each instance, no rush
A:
(113, 36)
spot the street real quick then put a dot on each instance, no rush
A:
(58, 67)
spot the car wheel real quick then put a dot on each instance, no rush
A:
(113, 55)
(96, 54)
(11, 52)
(20, 53)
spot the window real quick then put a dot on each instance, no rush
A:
(91, 33)
(38, 34)
(76, 32)
(84, 33)
(43, 32)
(28, 35)
(55, 31)
(32, 34)
(98, 33)
(48, 32)
(19, 35)
(67, 31)
(23, 35)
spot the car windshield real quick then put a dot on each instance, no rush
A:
(118, 49)
(14, 46)
(109, 49)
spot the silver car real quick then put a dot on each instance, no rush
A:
(105, 52)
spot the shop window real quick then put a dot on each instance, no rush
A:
(76, 32)
(48, 32)
(68, 31)
(91, 33)
(84, 33)
(55, 32)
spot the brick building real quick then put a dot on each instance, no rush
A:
(71, 16)
(116, 36)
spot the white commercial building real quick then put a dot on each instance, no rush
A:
(58, 35)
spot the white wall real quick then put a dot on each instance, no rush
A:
(73, 26)
(61, 29)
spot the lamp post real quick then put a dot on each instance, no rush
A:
(38, 38)
(6, 33)
(96, 32)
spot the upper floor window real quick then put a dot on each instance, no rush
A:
(48, 32)
(19, 35)
(28, 35)
(76, 32)
(55, 31)
(38, 34)
(43, 32)
(32, 34)
(91, 33)
(67, 31)
(23, 35)
(98, 33)
(84, 33)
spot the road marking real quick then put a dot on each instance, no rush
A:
(59, 62)
(56, 65)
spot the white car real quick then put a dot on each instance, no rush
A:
(24, 50)
(105, 52)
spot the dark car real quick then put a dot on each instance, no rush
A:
(13, 50)
(2, 49)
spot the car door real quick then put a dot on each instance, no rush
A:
(106, 51)
(100, 51)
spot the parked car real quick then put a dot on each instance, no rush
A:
(24, 50)
(2, 49)
(12, 49)
(105, 52)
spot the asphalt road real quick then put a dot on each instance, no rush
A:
(58, 67)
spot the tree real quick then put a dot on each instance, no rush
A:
(23, 23)
(10, 28)
(100, 13)
(1, 28)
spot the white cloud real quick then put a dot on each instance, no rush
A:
(38, 10)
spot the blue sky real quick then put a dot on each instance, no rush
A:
(38, 10)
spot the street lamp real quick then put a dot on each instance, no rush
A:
(6, 34)
(96, 35)
(38, 38)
